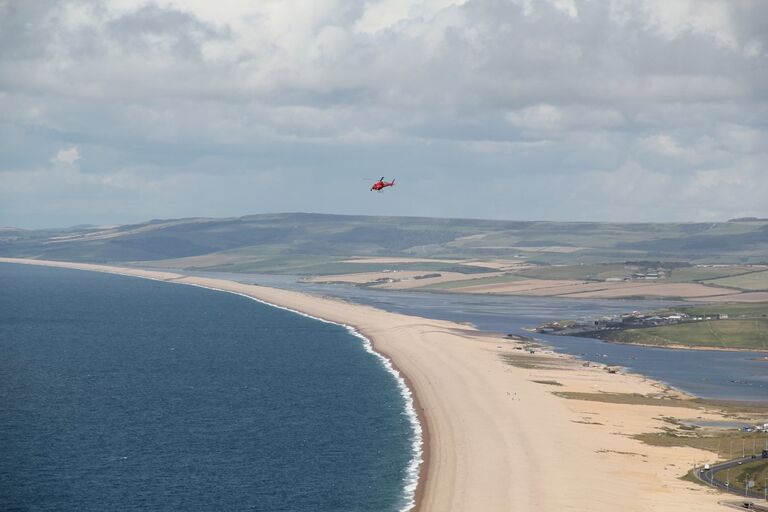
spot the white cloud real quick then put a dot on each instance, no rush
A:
(567, 6)
(67, 156)
(738, 191)
(616, 93)
(739, 138)
(540, 117)
(631, 182)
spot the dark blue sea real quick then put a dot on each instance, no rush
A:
(120, 393)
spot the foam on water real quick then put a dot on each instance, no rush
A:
(411, 479)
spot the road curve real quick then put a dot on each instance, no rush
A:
(707, 476)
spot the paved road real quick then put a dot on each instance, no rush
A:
(708, 476)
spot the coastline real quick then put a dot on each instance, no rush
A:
(489, 431)
(419, 448)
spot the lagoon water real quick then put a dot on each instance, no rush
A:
(120, 393)
(712, 374)
(708, 374)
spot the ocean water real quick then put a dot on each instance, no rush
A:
(120, 393)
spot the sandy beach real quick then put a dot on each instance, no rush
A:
(495, 439)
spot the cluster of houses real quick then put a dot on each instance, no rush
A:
(648, 274)
(627, 321)
(384, 280)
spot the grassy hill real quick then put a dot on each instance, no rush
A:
(304, 242)
(749, 334)
(746, 327)
(752, 281)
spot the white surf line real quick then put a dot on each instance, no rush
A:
(411, 481)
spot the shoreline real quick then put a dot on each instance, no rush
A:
(482, 449)
(419, 462)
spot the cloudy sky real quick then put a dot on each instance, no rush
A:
(119, 111)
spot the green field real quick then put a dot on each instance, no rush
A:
(749, 310)
(749, 334)
(693, 274)
(455, 285)
(601, 272)
(752, 281)
(628, 398)
(578, 272)
(320, 265)
(724, 443)
(340, 267)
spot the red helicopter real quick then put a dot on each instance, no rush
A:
(381, 184)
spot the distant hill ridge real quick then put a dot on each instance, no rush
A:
(309, 235)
